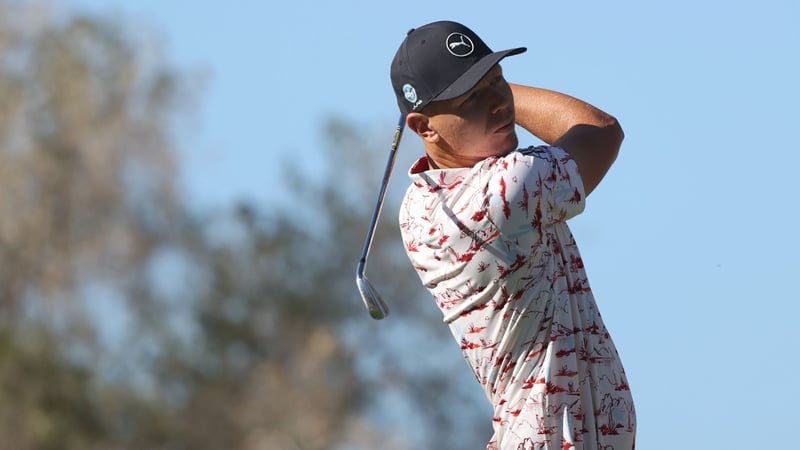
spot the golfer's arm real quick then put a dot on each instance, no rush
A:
(589, 135)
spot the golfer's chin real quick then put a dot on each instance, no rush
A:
(508, 143)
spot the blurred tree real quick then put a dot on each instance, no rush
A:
(129, 322)
(87, 194)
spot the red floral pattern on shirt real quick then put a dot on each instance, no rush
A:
(492, 245)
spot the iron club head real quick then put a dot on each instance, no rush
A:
(372, 300)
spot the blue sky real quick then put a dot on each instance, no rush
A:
(691, 243)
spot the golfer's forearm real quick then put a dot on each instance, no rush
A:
(548, 115)
(590, 136)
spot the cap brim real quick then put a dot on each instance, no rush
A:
(474, 74)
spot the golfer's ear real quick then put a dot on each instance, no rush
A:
(420, 123)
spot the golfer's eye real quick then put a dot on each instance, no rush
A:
(470, 98)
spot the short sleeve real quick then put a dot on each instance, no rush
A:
(534, 187)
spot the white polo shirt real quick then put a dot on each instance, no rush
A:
(492, 245)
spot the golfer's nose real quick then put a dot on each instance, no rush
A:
(500, 98)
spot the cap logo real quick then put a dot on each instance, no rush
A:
(410, 93)
(459, 44)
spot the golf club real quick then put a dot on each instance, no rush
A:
(372, 300)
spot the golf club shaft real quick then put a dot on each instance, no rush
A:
(362, 264)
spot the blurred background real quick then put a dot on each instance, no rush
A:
(185, 189)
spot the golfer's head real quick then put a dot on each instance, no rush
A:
(440, 61)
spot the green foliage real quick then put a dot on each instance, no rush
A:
(54, 415)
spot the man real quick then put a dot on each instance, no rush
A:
(484, 225)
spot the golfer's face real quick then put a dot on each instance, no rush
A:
(480, 123)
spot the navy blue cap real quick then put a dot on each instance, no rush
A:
(440, 61)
